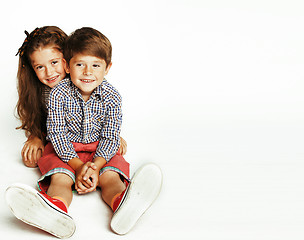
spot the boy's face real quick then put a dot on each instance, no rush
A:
(87, 73)
(49, 65)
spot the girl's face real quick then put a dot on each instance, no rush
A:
(49, 65)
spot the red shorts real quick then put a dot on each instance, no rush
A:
(50, 163)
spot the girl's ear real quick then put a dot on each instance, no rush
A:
(65, 65)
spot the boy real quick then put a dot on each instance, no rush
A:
(84, 120)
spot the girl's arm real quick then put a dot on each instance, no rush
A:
(123, 146)
(32, 151)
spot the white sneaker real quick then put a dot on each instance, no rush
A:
(141, 192)
(39, 210)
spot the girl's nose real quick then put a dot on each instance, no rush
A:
(49, 71)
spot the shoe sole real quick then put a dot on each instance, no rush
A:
(30, 207)
(142, 191)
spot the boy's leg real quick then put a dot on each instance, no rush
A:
(111, 185)
(57, 177)
(61, 188)
(114, 178)
(50, 165)
(129, 203)
(40, 210)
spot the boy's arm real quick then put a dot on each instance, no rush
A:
(110, 133)
(99, 162)
(56, 127)
(76, 163)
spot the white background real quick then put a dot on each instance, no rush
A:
(212, 92)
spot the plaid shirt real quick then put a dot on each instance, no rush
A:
(46, 95)
(71, 119)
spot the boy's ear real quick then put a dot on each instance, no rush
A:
(108, 68)
(66, 66)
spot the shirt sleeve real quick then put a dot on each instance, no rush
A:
(110, 134)
(56, 127)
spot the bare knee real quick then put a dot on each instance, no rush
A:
(110, 177)
(61, 179)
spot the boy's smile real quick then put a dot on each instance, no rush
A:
(87, 73)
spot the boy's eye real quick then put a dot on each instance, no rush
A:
(54, 62)
(79, 64)
(96, 65)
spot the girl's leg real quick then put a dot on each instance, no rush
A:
(111, 186)
(61, 188)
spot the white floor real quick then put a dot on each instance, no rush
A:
(212, 93)
(236, 188)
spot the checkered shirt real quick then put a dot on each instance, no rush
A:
(46, 95)
(71, 119)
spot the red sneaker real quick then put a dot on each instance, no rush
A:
(56, 203)
(119, 199)
(142, 191)
(40, 210)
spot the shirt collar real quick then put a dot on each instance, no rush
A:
(97, 93)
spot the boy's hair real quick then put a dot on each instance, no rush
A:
(88, 41)
(30, 107)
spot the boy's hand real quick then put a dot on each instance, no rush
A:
(86, 178)
(32, 151)
(86, 174)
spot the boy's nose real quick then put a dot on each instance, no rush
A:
(88, 70)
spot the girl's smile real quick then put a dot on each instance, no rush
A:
(53, 79)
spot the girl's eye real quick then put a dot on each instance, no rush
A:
(39, 67)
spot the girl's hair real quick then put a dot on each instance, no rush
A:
(88, 41)
(30, 107)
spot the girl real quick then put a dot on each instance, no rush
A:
(41, 67)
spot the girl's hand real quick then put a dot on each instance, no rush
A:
(123, 146)
(32, 151)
